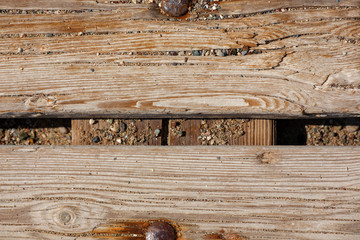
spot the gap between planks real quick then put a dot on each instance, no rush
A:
(256, 132)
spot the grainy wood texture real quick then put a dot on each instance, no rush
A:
(89, 59)
(222, 132)
(124, 132)
(207, 193)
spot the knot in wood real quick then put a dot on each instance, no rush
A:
(66, 216)
(175, 8)
(160, 231)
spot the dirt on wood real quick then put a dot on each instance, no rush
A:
(117, 132)
(209, 132)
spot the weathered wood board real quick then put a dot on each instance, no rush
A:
(100, 58)
(207, 193)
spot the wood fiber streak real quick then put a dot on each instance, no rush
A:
(115, 62)
(247, 192)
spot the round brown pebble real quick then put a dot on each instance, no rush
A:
(160, 231)
(175, 8)
(63, 130)
(352, 128)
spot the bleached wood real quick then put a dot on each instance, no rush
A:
(308, 66)
(243, 192)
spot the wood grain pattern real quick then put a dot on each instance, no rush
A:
(255, 132)
(115, 62)
(207, 193)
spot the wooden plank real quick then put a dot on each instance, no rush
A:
(221, 132)
(232, 6)
(116, 132)
(63, 65)
(206, 193)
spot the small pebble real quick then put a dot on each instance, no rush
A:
(14, 132)
(20, 50)
(157, 132)
(115, 127)
(196, 53)
(96, 139)
(49, 35)
(23, 136)
(352, 128)
(92, 121)
(93, 70)
(63, 130)
(333, 134)
(352, 124)
(214, 7)
(219, 53)
(173, 53)
(122, 127)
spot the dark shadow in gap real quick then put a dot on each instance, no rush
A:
(341, 132)
(26, 131)
(35, 123)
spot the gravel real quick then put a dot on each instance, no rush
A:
(35, 131)
(336, 132)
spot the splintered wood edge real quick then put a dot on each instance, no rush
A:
(202, 192)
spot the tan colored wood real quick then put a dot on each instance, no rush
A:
(232, 6)
(207, 193)
(115, 62)
(259, 132)
(117, 132)
(221, 132)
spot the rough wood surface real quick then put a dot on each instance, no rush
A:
(88, 59)
(190, 132)
(207, 193)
